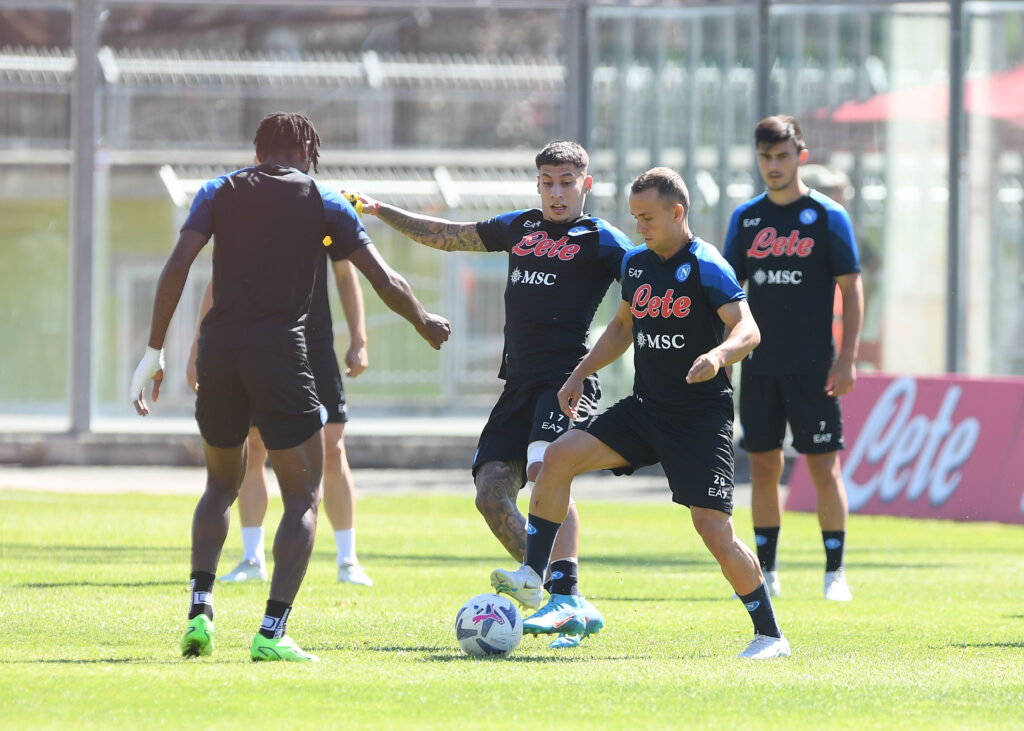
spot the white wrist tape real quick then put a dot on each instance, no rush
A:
(151, 362)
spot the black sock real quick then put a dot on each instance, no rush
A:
(834, 542)
(540, 537)
(759, 604)
(200, 590)
(767, 540)
(275, 619)
(564, 577)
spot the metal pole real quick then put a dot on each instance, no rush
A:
(83, 126)
(956, 310)
(762, 24)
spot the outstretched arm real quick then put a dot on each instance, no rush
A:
(351, 294)
(437, 233)
(743, 336)
(614, 341)
(396, 293)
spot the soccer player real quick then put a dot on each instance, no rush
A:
(561, 262)
(794, 245)
(269, 224)
(678, 296)
(338, 488)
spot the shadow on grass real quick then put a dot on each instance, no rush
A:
(91, 553)
(978, 645)
(93, 661)
(651, 561)
(100, 584)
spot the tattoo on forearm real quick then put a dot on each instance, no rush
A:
(434, 232)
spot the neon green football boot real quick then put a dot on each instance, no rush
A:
(281, 648)
(198, 638)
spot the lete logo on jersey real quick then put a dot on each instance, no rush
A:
(644, 305)
(540, 244)
(768, 243)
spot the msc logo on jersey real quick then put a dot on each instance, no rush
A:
(660, 342)
(683, 272)
(540, 244)
(808, 216)
(578, 231)
(777, 276)
(527, 277)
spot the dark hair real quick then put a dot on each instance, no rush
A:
(564, 152)
(286, 132)
(667, 182)
(780, 128)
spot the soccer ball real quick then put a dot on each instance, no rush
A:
(488, 624)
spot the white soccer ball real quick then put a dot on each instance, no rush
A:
(488, 624)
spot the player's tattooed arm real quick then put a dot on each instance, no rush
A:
(437, 233)
(497, 486)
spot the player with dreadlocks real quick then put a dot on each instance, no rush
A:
(271, 223)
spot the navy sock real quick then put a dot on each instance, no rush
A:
(275, 619)
(759, 605)
(540, 537)
(767, 540)
(200, 590)
(564, 577)
(834, 542)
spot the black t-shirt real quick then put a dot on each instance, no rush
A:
(270, 225)
(791, 255)
(675, 320)
(558, 274)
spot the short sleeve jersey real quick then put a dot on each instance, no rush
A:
(269, 225)
(558, 273)
(790, 255)
(675, 304)
(350, 234)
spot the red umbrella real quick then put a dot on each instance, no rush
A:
(999, 95)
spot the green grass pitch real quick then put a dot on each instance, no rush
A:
(93, 599)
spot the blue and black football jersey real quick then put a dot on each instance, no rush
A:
(790, 255)
(558, 274)
(675, 320)
(269, 224)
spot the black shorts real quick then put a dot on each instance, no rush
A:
(694, 448)
(270, 389)
(329, 387)
(527, 414)
(767, 402)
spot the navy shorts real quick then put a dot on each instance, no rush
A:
(527, 414)
(694, 447)
(329, 387)
(767, 402)
(273, 390)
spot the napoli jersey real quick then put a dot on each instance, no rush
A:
(790, 255)
(270, 225)
(675, 320)
(558, 274)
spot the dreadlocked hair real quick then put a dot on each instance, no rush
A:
(285, 132)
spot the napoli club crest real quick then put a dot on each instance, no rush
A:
(683, 272)
(808, 216)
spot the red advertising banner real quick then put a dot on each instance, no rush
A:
(929, 447)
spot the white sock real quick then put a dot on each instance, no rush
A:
(252, 544)
(346, 542)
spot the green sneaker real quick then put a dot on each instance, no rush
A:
(282, 648)
(198, 639)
